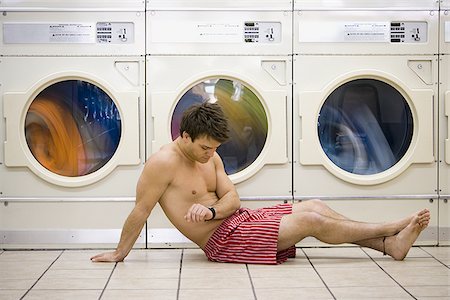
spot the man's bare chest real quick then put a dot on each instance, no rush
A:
(195, 181)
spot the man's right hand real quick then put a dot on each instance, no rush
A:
(107, 257)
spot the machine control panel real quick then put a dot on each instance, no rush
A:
(262, 32)
(115, 33)
(409, 32)
(68, 33)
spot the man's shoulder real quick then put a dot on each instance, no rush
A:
(165, 157)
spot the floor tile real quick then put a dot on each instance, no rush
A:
(26, 256)
(289, 293)
(391, 292)
(440, 253)
(410, 262)
(78, 274)
(415, 280)
(146, 273)
(18, 265)
(134, 283)
(429, 291)
(154, 255)
(418, 271)
(214, 283)
(66, 264)
(342, 262)
(216, 273)
(277, 272)
(139, 294)
(217, 294)
(290, 277)
(16, 284)
(299, 262)
(79, 255)
(70, 284)
(146, 265)
(12, 270)
(152, 259)
(293, 282)
(350, 277)
(11, 294)
(193, 254)
(63, 294)
(205, 264)
(335, 252)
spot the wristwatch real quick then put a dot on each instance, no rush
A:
(213, 213)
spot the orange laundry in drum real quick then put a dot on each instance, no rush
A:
(54, 138)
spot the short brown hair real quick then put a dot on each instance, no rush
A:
(205, 119)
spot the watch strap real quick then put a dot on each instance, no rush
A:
(213, 213)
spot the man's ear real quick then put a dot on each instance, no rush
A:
(185, 136)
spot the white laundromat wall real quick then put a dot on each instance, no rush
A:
(77, 221)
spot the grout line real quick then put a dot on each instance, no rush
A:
(389, 275)
(251, 282)
(34, 284)
(447, 266)
(315, 270)
(179, 274)
(107, 281)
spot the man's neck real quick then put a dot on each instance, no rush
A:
(181, 147)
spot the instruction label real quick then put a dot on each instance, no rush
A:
(344, 32)
(48, 33)
(367, 32)
(194, 32)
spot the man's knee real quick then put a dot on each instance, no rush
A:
(317, 204)
(295, 227)
(309, 219)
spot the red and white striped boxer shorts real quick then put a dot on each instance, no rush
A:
(250, 236)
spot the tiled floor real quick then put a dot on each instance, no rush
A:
(316, 273)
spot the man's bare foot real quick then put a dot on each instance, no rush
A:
(398, 245)
(399, 225)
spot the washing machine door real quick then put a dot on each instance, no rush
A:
(71, 132)
(367, 131)
(254, 139)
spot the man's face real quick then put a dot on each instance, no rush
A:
(203, 148)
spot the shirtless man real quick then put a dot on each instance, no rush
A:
(188, 179)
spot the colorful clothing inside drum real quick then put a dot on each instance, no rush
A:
(250, 236)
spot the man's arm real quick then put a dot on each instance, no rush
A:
(130, 232)
(228, 202)
(150, 188)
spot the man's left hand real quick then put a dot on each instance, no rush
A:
(198, 213)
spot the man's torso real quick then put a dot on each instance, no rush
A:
(191, 183)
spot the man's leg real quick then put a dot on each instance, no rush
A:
(318, 206)
(314, 218)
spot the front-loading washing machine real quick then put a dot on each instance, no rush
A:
(239, 55)
(444, 125)
(72, 92)
(66, 5)
(364, 5)
(365, 109)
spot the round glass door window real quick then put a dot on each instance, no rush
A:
(365, 126)
(246, 116)
(73, 128)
